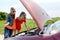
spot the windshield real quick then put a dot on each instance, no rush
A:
(56, 26)
(52, 28)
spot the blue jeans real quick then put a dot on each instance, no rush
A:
(7, 33)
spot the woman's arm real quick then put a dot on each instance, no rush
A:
(7, 22)
(26, 26)
(11, 27)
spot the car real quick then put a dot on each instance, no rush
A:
(40, 17)
(53, 28)
(51, 32)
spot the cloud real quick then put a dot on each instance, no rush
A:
(54, 13)
(50, 6)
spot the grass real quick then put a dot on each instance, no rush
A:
(2, 26)
(30, 23)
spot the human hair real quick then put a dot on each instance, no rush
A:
(13, 16)
(23, 13)
(12, 9)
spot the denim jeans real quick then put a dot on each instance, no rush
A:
(7, 33)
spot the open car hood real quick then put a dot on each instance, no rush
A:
(37, 13)
(40, 17)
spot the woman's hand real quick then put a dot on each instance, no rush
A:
(6, 24)
(27, 28)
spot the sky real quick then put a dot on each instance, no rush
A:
(52, 7)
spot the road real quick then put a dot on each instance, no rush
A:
(1, 37)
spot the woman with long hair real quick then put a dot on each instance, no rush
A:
(9, 23)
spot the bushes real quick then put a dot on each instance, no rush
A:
(3, 15)
(52, 21)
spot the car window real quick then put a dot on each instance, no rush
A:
(56, 26)
(48, 29)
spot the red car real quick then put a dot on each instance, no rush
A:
(40, 17)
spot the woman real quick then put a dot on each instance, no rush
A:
(19, 20)
(9, 21)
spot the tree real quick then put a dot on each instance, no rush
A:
(3, 15)
(52, 21)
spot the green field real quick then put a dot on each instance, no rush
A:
(30, 24)
(2, 26)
